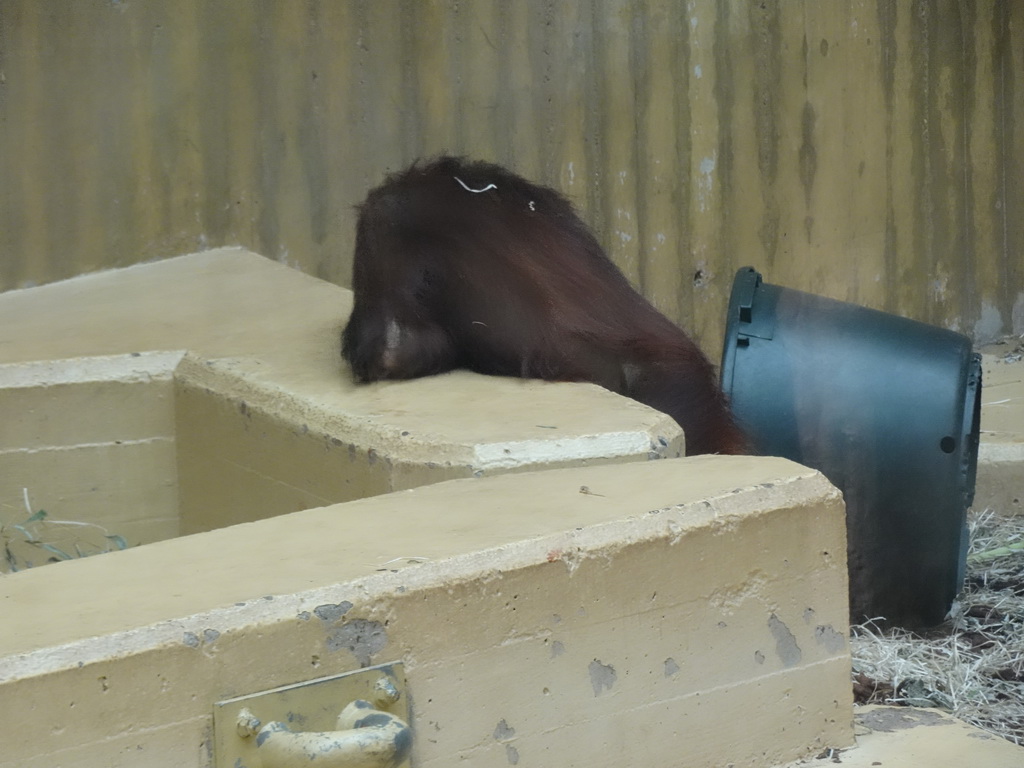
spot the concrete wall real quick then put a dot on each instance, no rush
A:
(93, 440)
(864, 149)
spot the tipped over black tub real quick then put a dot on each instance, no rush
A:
(887, 408)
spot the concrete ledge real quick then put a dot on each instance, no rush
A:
(216, 379)
(685, 612)
(93, 435)
(1001, 454)
(907, 737)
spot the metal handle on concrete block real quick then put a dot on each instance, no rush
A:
(365, 737)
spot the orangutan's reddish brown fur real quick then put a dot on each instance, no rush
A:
(465, 265)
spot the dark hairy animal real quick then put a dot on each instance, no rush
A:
(463, 264)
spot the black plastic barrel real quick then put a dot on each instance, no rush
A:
(887, 409)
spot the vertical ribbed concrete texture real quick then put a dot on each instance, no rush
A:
(862, 149)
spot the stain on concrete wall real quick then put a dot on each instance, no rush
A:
(786, 647)
(602, 676)
(867, 150)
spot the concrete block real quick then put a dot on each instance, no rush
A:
(683, 612)
(907, 737)
(688, 611)
(1001, 453)
(233, 360)
(91, 440)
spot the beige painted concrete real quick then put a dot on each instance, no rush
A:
(683, 612)
(1001, 455)
(610, 635)
(905, 737)
(259, 410)
(92, 439)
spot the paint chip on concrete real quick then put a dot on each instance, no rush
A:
(890, 719)
(788, 651)
(331, 612)
(362, 637)
(503, 731)
(602, 676)
(829, 639)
